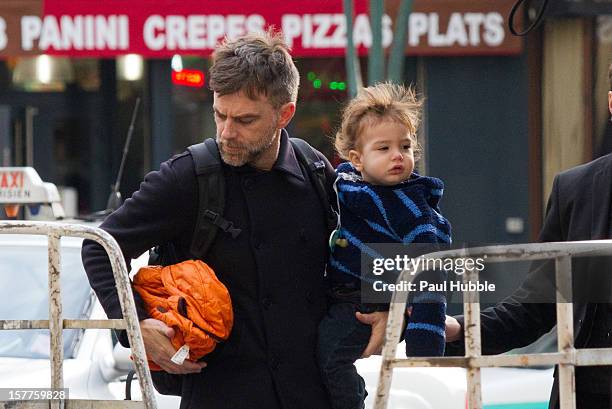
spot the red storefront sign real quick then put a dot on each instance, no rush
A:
(162, 28)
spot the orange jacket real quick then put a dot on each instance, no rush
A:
(189, 298)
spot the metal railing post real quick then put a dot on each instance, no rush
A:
(392, 336)
(471, 304)
(55, 317)
(565, 331)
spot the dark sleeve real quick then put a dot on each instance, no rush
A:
(162, 209)
(553, 228)
(523, 317)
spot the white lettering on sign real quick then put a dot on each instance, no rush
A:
(72, 34)
(463, 30)
(417, 27)
(216, 29)
(456, 32)
(3, 37)
(111, 32)
(362, 33)
(50, 35)
(30, 30)
(176, 30)
(89, 33)
(338, 37)
(255, 23)
(292, 27)
(152, 32)
(199, 32)
(494, 29)
(235, 26)
(433, 34)
(329, 30)
(195, 32)
(75, 32)
(473, 21)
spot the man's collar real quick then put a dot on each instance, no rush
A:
(287, 161)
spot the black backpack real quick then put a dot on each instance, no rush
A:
(207, 162)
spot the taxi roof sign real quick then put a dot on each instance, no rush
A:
(22, 185)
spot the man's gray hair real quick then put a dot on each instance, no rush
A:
(255, 64)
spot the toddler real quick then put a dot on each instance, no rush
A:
(381, 200)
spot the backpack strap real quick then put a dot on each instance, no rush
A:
(211, 197)
(211, 191)
(316, 168)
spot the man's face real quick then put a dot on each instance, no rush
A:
(247, 129)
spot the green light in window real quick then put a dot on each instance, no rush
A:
(342, 86)
(316, 83)
(311, 76)
(333, 85)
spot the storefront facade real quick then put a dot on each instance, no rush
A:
(475, 77)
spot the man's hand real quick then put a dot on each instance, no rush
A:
(156, 336)
(453, 330)
(378, 321)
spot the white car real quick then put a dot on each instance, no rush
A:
(95, 367)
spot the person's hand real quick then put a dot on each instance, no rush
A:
(453, 329)
(156, 336)
(378, 321)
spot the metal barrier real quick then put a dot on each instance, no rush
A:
(54, 231)
(567, 356)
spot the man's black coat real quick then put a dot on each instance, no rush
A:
(274, 271)
(578, 209)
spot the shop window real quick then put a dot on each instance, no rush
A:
(191, 102)
(87, 74)
(131, 79)
(323, 93)
(44, 73)
(71, 158)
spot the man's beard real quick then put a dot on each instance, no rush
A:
(246, 153)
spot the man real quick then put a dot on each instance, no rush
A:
(578, 209)
(273, 269)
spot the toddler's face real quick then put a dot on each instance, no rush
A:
(384, 153)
